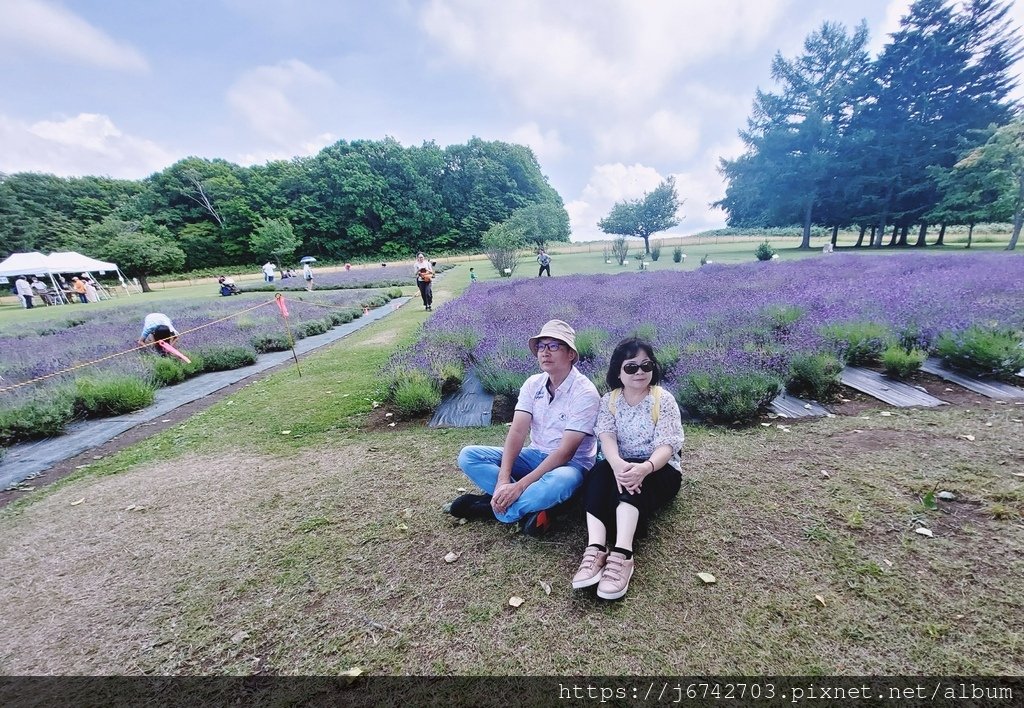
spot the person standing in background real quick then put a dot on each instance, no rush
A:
(24, 291)
(545, 263)
(307, 275)
(268, 272)
(424, 272)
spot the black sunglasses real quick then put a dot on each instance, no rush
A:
(632, 367)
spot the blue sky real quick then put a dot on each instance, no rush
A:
(613, 96)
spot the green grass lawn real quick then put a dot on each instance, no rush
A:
(292, 529)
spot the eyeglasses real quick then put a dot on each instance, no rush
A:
(550, 346)
(632, 367)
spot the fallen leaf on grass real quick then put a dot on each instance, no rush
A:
(516, 601)
(967, 437)
(924, 532)
(807, 406)
(230, 403)
(76, 502)
(462, 522)
(460, 490)
(885, 413)
(767, 425)
(1018, 474)
(286, 432)
(352, 673)
(402, 527)
(407, 513)
(545, 586)
(129, 508)
(887, 562)
(707, 578)
(240, 637)
(166, 420)
(452, 556)
(820, 599)
(388, 415)
(825, 474)
(391, 425)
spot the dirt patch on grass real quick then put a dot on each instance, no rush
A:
(383, 339)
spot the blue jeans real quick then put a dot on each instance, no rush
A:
(481, 464)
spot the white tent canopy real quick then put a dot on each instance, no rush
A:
(34, 263)
(74, 262)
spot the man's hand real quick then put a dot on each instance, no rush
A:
(505, 495)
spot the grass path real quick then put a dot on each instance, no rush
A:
(223, 545)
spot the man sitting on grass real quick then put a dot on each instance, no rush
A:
(558, 409)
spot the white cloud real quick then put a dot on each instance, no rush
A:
(49, 29)
(272, 100)
(894, 12)
(608, 184)
(88, 144)
(547, 145)
(567, 58)
(302, 149)
(663, 135)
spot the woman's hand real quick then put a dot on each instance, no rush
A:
(505, 495)
(632, 477)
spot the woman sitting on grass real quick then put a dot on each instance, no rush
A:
(641, 434)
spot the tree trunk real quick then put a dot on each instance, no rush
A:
(1018, 219)
(904, 230)
(942, 234)
(921, 235)
(805, 243)
(895, 235)
(970, 234)
(835, 235)
(144, 284)
(860, 239)
(647, 243)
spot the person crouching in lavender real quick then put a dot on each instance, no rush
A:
(641, 434)
(557, 408)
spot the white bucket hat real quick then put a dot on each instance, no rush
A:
(555, 329)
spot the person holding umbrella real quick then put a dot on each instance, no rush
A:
(307, 272)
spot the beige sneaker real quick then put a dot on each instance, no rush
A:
(615, 578)
(590, 568)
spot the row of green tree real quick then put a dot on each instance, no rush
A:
(925, 134)
(352, 200)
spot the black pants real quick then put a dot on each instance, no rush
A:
(28, 301)
(601, 496)
(426, 292)
(544, 268)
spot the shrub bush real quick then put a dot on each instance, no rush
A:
(861, 342)
(656, 251)
(310, 328)
(339, 317)
(35, 419)
(270, 342)
(900, 363)
(589, 342)
(168, 371)
(983, 351)
(105, 396)
(815, 376)
(784, 316)
(415, 393)
(765, 251)
(499, 380)
(395, 293)
(723, 397)
(677, 254)
(226, 358)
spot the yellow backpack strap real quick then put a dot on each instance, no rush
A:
(656, 410)
(616, 392)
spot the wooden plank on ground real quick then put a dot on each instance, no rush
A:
(895, 393)
(991, 389)
(469, 407)
(792, 407)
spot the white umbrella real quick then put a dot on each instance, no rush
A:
(307, 259)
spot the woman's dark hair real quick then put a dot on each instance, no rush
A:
(161, 333)
(627, 349)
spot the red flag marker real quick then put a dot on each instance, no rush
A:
(281, 304)
(171, 350)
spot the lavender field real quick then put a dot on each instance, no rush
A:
(29, 351)
(733, 319)
(378, 277)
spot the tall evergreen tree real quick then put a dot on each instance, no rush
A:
(795, 136)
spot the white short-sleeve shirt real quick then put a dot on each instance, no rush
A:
(573, 407)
